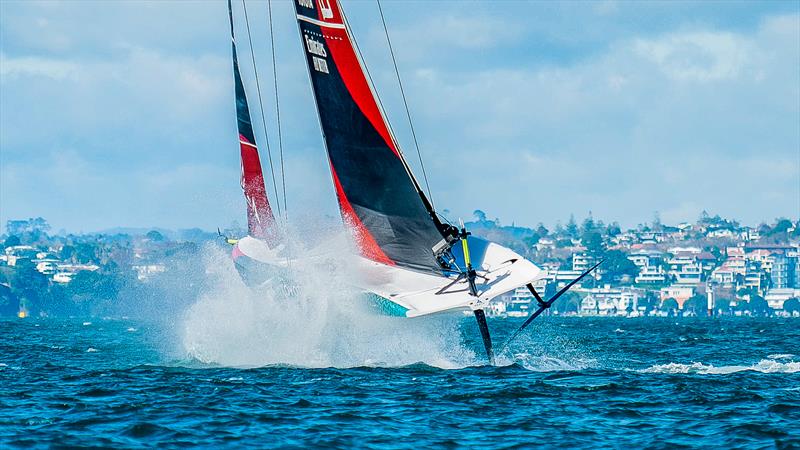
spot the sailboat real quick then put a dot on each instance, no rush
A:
(409, 256)
(257, 255)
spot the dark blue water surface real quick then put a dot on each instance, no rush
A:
(575, 382)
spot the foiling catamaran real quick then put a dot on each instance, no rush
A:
(409, 257)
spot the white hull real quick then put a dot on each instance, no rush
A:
(499, 270)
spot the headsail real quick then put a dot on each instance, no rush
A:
(260, 220)
(378, 196)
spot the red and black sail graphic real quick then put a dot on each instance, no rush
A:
(260, 221)
(377, 193)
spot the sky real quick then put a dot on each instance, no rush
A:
(121, 113)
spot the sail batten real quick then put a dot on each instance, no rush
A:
(379, 198)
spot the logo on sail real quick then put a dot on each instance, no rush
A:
(316, 47)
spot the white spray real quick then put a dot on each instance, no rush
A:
(324, 322)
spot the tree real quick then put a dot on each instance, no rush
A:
(559, 230)
(563, 243)
(758, 305)
(67, 252)
(792, 305)
(570, 302)
(617, 264)
(669, 304)
(593, 242)
(657, 226)
(155, 236)
(781, 226)
(12, 241)
(722, 305)
(35, 226)
(697, 304)
(613, 229)
(531, 241)
(85, 253)
(541, 230)
(588, 224)
(9, 303)
(572, 227)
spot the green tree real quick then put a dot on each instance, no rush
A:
(697, 304)
(792, 305)
(782, 225)
(758, 305)
(617, 264)
(593, 242)
(588, 225)
(85, 253)
(669, 304)
(9, 303)
(572, 227)
(11, 241)
(541, 230)
(570, 302)
(155, 236)
(613, 229)
(722, 305)
(67, 252)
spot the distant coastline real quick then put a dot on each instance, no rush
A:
(712, 266)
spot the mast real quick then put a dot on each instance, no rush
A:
(260, 219)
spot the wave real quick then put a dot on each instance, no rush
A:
(763, 366)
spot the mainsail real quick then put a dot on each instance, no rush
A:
(378, 196)
(260, 220)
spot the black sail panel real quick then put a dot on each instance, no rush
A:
(378, 196)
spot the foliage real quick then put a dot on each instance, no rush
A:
(781, 226)
(572, 228)
(669, 304)
(155, 236)
(593, 242)
(698, 304)
(570, 302)
(12, 241)
(19, 227)
(617, 264)
(792, 305)
(758, 305)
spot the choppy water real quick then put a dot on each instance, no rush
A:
(577, 382)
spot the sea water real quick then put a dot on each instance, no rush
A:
(303, 362)
(571, 382)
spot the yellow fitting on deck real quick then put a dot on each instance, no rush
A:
(465, 246)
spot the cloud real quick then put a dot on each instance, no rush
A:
(697, 56)
(688, 117)
(14, 68)
(530, 112)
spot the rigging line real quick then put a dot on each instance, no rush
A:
(405, 103)
(261, 108)
(381, 108)
(277, 110)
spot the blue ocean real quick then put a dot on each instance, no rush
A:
(570, 382)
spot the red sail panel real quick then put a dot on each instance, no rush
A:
(377, 194)
(260, 220)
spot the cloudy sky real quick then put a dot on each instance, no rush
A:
(121, 113)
